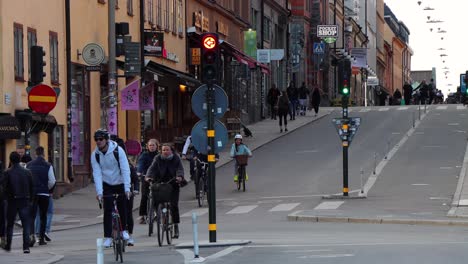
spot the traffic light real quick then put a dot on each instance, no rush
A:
(37, 65)
(344, 76)
(210, 57)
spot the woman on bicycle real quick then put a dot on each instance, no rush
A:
(239, 148)
(164, 168)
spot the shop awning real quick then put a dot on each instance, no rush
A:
(184, 77)
(241, 57)
(34, 122)
(9, 127)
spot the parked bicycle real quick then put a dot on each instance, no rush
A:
(161, 195)
(118, 243)
(241, 170)
(201, 181)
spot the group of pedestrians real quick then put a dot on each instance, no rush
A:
(425, 93)
(25, 189)
(293, 102)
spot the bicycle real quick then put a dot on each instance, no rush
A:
(162, 195)
(201, 186)
(241, 164)
(118, 243)
(150, 212)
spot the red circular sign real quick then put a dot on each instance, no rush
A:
(209, 42)
(42, 99)
(133, 147)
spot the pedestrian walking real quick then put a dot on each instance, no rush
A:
(316, 100)
(283, 107)
(25, 157)
(272, 97)
(407, 93)
(397, 97)
(50, 214)
(18, 186)
(166, 167)
(293, 100)
(303, 94)
(423, 92)
(144, 162)
(111, 174)
(43, 182)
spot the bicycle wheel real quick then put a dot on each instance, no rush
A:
(169, 227)
(201, 191)
(150, 215)
(243, 178)
(160, 224)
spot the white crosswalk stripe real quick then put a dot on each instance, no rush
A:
(199, 212)
(460, 107)
(384, 109)
(365, 110)
(441, 107)
(329, 205)
(284, 207)
(242, 209)
(402, 108)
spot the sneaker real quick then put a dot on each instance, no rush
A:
(42, 242)
(142, 220)
(47, 237)
(125, 235)
(286, 129)
(130, 242)
(107, 242)
(26, 251)
(246, 177)
(281, 130)
(176, 231)
(2, 242)
(236, 178)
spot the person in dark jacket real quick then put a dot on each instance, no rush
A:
(25, 157)
(43, 181)
(423, 92)
(144, 162)
(316, 100)
(166, 167)
(18, 185)
(303, 93)
(397, 97)
(293, 99)
(407, 93)
(272, 96)
(283, 107)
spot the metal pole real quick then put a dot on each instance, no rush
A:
(375, 162)
(142, 66)
(211, 163)
(112, 82)
(362, 175)
(365, 92)
(345, 145)
(195, 236)
(99, 251)
(419, 108)
(413, 120)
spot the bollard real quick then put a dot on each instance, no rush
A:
(388, 148)
(413, 119)
(375, 161)
(362, 175)
(100, 251)
(425, 108)
(419, 107)
(195, 235)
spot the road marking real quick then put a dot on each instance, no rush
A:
(224, 252)
(439, 198)
(284, 207)
(463, 202)
(199, 212)
(402, 108)
(329, 205)
(243, 209)
(327, 256)
(396, 133)
(419, 133)
(188, 255)
(293, 196)
(446, 168)
(365, 110)
(307, 151)
(459, 131)
(100, 216)
(441, 107)
(453, 124)
(384, 109)
(432, 146)
(460, 107)
(306, 250)
(420, 184)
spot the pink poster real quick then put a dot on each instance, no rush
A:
(147, 97)
(75, 137)
(112, 120)
(130, 96)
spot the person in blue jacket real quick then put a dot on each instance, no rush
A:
(238, 148)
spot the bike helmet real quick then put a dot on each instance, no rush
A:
(101, 133)
(238, 136)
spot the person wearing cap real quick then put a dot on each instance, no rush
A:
(238, 148)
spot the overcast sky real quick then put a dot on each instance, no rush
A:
(425, 43)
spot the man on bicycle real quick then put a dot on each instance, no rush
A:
(165, 167)
(238, 148)
(111, 176)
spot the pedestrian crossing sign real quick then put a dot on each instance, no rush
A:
(319, 48)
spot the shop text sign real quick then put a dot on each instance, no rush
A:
(327, 31)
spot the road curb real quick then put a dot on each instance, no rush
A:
(56, 258)
(345, 219)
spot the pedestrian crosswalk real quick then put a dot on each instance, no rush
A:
(360, 109)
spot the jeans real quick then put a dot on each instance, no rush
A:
(108, 190)
(130, 223)
(50, 214)
(292, 108)
(41, 202)
(144, 197)
(20, 206)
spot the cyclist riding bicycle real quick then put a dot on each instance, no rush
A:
(239, 148)
(164, 168)
(111, 176)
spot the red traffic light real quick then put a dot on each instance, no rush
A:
(209, 42)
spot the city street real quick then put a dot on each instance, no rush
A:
(289, 177)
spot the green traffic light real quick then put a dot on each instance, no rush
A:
(345, 90)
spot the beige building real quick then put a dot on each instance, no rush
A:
(25, 23)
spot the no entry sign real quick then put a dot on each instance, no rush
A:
(42, 99)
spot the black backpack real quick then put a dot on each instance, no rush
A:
(116, 155)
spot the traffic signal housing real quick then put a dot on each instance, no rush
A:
(344, 77)
(210, 56)
(37, 65)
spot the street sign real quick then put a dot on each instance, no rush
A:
(93, 68)
(132, 58)
(93, 54)
(196, 56)
(329, 33)
(200, 140)
(319, 48)
(347, 128)
(42, 99)
(200, 106)
(263, 56)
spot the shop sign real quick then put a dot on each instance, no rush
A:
(154, 43)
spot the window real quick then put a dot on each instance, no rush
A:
(180, 19)
(254, 19)
(150, 9)
(266, 28)
(32, 41)
(56, 152)
(18, 50)
(166, 17)
(54, 69)
(101, 1)
(159, 14)
(174, 16)
(162, 102)
(130, 7)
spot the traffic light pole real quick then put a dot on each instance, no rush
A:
(210, 133)
(345, 144)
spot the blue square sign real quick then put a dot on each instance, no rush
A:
(319, 48)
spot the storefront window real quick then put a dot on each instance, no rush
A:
(57, 153)
(162, 106)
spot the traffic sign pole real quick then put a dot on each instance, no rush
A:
(210, 99)
(345, 144)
